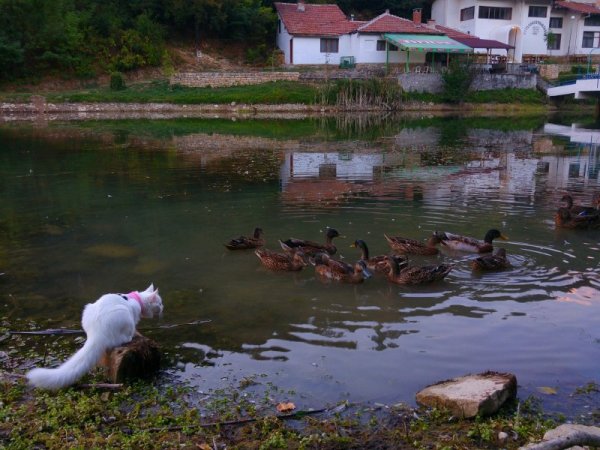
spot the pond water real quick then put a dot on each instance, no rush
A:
(94, 207)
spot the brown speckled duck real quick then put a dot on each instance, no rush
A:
(564, 218)
(497, 261)
(280, 261)
(579, 209)
(311, 248)
(469, 244)
(405, 246)
(331, 271)
(377, 263)
(413, 275)
(244, 243)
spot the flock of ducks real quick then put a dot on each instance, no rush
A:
(299, 253)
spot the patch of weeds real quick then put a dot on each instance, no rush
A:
(589, 388)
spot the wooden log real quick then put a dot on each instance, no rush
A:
(140, 358)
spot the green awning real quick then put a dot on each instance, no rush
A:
(426, 43)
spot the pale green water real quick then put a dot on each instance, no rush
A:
(101, 207)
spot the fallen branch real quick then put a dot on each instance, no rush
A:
(567, 436)
(64, 331)
(105, 386)
(51, 331)
(291, 416)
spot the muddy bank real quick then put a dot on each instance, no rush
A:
(38, 109)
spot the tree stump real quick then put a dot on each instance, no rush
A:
(139, 358)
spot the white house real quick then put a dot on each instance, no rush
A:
(322, 34)
(526, 25)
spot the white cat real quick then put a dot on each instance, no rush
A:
(108, 322)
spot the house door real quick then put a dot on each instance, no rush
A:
(292, 51)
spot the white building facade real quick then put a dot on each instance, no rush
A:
(533, 27)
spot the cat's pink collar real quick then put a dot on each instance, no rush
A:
(135, 296)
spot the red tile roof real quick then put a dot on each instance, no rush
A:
(585, 8)
(388, 23)
(315, 20)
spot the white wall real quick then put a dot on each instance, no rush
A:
(534, 30)
(283, 41)
(364, 47)
(307, 50)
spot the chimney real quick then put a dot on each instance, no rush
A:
(431, 22)
(351, 17)
(301, 5)
(417, 15)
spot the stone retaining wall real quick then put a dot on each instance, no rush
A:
(432, 82)
(223, 79)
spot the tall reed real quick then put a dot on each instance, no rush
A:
(375, 93)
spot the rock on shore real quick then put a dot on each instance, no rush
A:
(471, 395)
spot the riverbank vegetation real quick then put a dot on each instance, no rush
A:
(384, 94)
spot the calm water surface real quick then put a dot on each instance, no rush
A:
(100, 207)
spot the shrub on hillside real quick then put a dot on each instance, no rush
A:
(117, 82)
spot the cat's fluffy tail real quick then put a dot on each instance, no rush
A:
(71, 370)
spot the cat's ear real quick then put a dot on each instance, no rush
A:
(150, 288)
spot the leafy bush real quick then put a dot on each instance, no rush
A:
(457, 80)
(117, 82)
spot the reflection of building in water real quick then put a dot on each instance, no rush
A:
(581, 165)
(496, 160)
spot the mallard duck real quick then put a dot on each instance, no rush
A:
(377, 263)
(312, 248)
(564, 218)
(578, 209)
(413, 275)
(358, 274)
(469, 244)
(243, 242)
(406, 246)
(497, 261)
(280, 261)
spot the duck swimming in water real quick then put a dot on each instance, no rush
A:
(405, 246)
(497, 261)
(564, 218)
(579, 209)
(312, 248)
(244, 243)
(329, 269)
(377, 263)
(469, 244)
(281, 261)
(416, 275)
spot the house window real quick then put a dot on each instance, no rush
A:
(279, 26)
(556, 22)
(493, 12)
(381, 47)
(590, 39)
(538, 11)
(329, 45)
(592, 21)
(467, 13)
(554, 44)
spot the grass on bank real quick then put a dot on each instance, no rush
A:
(340, 92)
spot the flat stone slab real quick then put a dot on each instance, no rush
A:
(471, 395)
